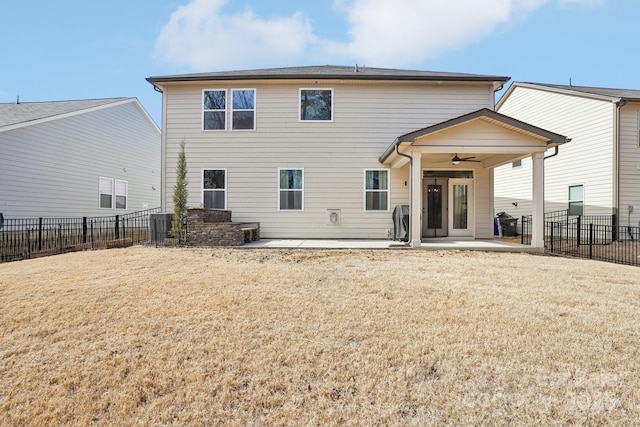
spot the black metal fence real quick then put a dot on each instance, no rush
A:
(33, 237)
(597, 237)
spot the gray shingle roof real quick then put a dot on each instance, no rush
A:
(12, 114)
(329, 72)
(625, 94)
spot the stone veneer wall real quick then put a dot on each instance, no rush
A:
(213, 227)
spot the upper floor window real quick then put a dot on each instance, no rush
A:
(214, 188)
(316, 105)
(214, 108)
(576, 200)
(376, 190)
(243, 109)
(516, 164)
(291, 189)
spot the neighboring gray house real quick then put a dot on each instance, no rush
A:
(598, 172)
(330, 151)
(97, 157)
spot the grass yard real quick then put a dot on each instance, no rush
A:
(168, 336)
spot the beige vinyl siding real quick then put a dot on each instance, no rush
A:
(630, 164)
(367, 119)
(52, 169)
(587, 160)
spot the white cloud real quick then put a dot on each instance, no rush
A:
(199, 35)
(381, 32)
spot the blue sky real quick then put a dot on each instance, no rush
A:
(82, 49)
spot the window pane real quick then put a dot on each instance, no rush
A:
(291, 179)
(213, 179)
(376, 200)
(243, 120)
(215, 100)
(576, 208)
(243, 99)
(214, 120)
(315, 104)
(214, 199)
(576, 192)
(460, 206)
(291, 200)
(376, 180)
(121, 202)
(105, 201)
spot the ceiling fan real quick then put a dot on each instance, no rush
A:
(456, 160)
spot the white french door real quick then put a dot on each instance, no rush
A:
(461, 213)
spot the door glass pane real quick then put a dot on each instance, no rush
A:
(434, 206)
(460, 206)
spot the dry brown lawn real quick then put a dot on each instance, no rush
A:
(147, 336)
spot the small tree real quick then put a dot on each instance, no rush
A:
(180, 194)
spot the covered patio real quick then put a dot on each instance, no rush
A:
(450, 175)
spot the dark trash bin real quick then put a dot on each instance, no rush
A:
(508, 224)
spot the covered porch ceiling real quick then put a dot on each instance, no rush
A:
(482, 138)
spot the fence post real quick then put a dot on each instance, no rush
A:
(92, 233)
(60, 237)
(28, 243)
(579, 229)
(553, 227)
(591, 241)
(40, 234)
(614, 228)
(84, 229)
(117, 227)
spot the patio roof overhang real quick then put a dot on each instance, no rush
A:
(473, 134)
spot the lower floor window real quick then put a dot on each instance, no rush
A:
(214, 188)
(291, 189)
(576, 200)
(110, 188)
(376, 190)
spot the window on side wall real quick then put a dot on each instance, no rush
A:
(576, 200)
(106, 193)
(214, 109)
(376, 190)
(214, 188)
(243, 109)
(516, 164)
(316, 105)
(290, 189)
(121, 190)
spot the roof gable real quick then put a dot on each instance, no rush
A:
(22, 113)
(605, 94)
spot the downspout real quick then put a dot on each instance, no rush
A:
(410, 184)
(619, 104)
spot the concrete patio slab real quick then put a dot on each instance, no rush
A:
(428, 244)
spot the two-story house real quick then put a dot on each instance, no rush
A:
(330, 151)
(90, 157)
(599, 172)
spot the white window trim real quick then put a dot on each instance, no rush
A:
(364, 187)
(115, 193)
(569, 200)
(333, 102)
(226, 109)
(100, 192)
(254, 109)
(226, 186)
(280, 190)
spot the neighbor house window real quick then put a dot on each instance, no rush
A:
(291, 189)
(214, 109)
(576, 200)
(121, 190)
(243, 109)
(106, 193)
(316, 105)
(214, 188)
(516, 164)
(376, 190)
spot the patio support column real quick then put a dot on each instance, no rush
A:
(537, 214)
(416, 200)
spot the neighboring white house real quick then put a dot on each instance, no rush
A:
(330, 151)
(96, 157)
(598, 172)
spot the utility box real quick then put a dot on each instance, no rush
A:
(159, 226)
